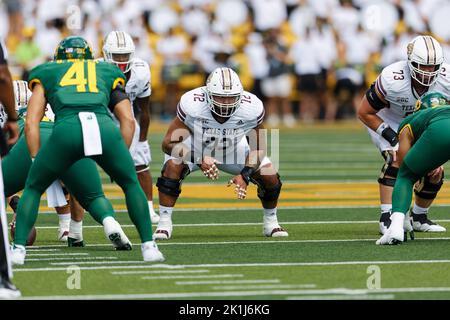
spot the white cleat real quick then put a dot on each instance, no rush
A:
(115, 234)
(395, 234)
(18, 254)
(63, 234)
(163, 231)
(8, 290)
(151, 253)
(421, 223)
(154, 217)
(274, 231)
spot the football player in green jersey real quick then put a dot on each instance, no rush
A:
(16, 165)
(80, 91)
(424, 148)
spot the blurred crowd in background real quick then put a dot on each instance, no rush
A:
(308, 60)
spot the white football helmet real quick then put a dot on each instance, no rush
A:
(425, 51)
(117, 44)
(22, 95)
(224, 91)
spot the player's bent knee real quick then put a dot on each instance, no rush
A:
(171, 187)
(426, 189)
(270, 193)
(388, 175)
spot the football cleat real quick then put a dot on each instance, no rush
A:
(421, 223)
(18, 254)
(63, 234)
(395, 233)
(163, 231)
(274, 231)
(385, 221)
(8, 290)
(115, 234)
(151, 253)
(75, 243)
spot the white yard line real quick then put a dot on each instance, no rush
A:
(262, 241)
(214, 276)
(225, 265)
(176, 295)
(344, 297)
(75, 259)
(187, 283)
(158, 272)
(265, 286)
(55, 254)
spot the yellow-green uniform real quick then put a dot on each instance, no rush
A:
(71, 87)
(430, 129)
(17, 164)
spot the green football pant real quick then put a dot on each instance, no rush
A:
(17, 164)
(429, 152)
(64, 148)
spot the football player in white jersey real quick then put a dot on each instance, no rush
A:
(210, 133)
(119, 49)
(391, 98)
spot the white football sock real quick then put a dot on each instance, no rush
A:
(64, 220)
(150, 207)
(419, 210)
(165, 213)
(386, 207)
(76, 230)
(270, 215)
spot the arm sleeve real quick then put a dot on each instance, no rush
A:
(374, 97)
(117, 96)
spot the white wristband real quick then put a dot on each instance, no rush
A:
(381, 128)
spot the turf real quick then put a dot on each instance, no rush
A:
(328, 205)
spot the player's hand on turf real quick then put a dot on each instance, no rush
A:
(240, 186)
(209, 168)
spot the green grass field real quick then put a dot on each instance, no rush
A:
(329, 206)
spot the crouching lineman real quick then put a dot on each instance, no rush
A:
(80, 92)
(119, 49)
(391, 98)
(209, 133)
(424, 148)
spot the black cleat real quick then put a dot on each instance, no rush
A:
(385, 221)
(74, 243)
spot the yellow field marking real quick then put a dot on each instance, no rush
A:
(292, 195)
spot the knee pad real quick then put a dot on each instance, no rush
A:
(388, 175)
(171, 187)
(269, 194)
(427, 190)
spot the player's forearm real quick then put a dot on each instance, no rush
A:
(127, 128)
(144, 123)
(7, 93)
(33, 138)
(144, 118)
(371, 120)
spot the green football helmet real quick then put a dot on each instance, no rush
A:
(431, 100)
(73, 48)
